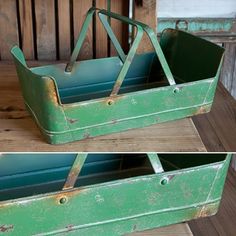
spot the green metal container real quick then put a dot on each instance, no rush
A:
(100, 96)
(106, 194)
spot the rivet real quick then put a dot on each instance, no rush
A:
(110, 102)
(63, 200)
(164, 181)
(176, 90)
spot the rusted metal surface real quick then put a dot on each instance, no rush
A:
(74, 171)
(6, 228)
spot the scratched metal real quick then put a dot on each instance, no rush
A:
(101, 96)
(190, 187)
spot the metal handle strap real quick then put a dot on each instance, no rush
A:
(74, 171)
(127, 60)
(151, 34)
(79, 162)
(155, 162)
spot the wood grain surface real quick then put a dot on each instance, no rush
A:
(64, 29)
(120, 29)
(49, 29)
(8, 28)
(223, 223)
(145, 11)
(172, 230)
(26, 24)
(45, 29)
(18, 132)
(101, 35)
(218, 128)
(80, 9)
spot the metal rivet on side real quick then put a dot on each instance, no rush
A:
(110, 102)
(164, 181)
(63, 200)
(176, 90)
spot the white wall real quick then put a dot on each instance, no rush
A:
(196, 8)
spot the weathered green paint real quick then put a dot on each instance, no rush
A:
(84, 103)
(198, 25)
(125, 205)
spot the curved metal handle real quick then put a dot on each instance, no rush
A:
(127, 60)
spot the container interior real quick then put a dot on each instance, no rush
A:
(24, 175)
(190, 59)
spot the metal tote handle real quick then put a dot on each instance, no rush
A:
(74, 171)
(127, 60)
(81, 157)
(155, 162)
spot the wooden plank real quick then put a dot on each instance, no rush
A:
(145, 11)
(101, 35)
(8, 28)
(80, 9)
(222, 118)
(228, 66)
(223, 223)
(208, 134)
(202, 227)
(18, 132)
(120, 29)
(218, 128)
(172, 230)
(45, 29)
(64, 32)
(233, 164)
(233, 88)
(26, 25)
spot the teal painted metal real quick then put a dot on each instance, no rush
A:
(198, 25)
(95, 97)
(118, 193)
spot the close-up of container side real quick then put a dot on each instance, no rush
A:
(93, 194)
(118, 117)
(128, 77)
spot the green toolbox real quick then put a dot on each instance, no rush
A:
(94, 97)
(106, 194)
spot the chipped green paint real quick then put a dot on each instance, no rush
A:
(192, 188)
(198, 25)
(101, 96)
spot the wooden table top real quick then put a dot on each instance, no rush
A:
(172, 230)
(218, 127)
(19, 133)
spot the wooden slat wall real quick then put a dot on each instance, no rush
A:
(101, 36)
(80, 9)
(26, 24)
(228, 74)
(147, 9)
(8, 27)
(48, 29)
(45, 29)
(64, 36)
(120, 29)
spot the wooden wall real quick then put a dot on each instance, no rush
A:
(48, 29)
(228, 73)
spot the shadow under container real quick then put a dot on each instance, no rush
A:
(89, 98)
(97, 194)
